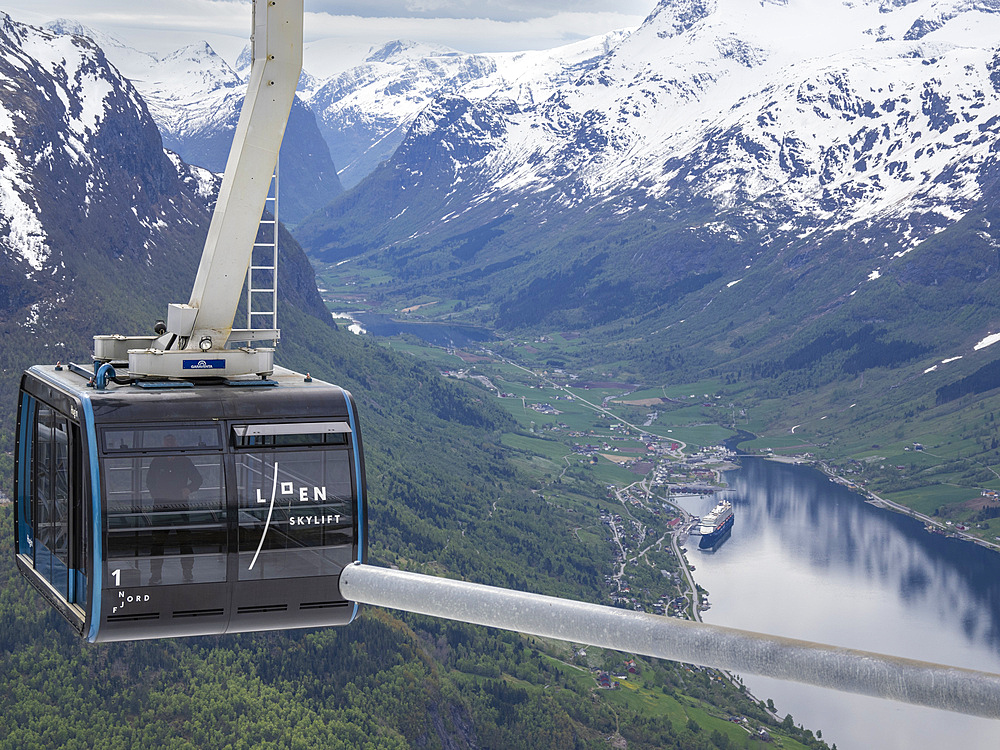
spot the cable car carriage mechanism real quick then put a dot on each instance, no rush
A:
(184, 485)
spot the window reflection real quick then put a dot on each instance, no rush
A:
(166, 518)
(167, 505)
(296, 513)
(51, 498)
(136, 439)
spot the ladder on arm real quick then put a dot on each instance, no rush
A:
(262, 274)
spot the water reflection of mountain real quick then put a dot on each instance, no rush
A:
(827, 526)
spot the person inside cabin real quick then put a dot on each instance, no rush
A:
(171, 480)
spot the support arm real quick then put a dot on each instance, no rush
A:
(274, 75)
(194, 343)
(949, 688)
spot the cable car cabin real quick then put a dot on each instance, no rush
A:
(146, 512)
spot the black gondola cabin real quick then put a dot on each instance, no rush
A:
(192, 509)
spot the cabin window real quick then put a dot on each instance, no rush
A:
(166, 514)
(296, 509)
(171, 439)
(51, 499)
(290, 434)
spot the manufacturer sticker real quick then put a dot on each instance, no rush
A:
(204, 364)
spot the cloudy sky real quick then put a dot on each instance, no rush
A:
(339, 32)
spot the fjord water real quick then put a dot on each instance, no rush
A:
(810, 559)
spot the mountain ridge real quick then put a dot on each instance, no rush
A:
(366, 110)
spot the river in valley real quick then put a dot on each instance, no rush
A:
(809, 559)
(436, 333)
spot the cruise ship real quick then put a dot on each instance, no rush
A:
(717, 522)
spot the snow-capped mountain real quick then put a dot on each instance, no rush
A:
(721, 139)
(191, 92)
(195, 98)
(85, 182)
(364, 112)
(127, 59)
(836, 113)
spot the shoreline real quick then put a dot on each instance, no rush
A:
(932, 525)
(696, 613)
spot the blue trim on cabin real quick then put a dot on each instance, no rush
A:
(359, 513)
(97, 528)
(27, 424)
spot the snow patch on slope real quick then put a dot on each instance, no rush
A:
(988, 341)
(21, 231)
